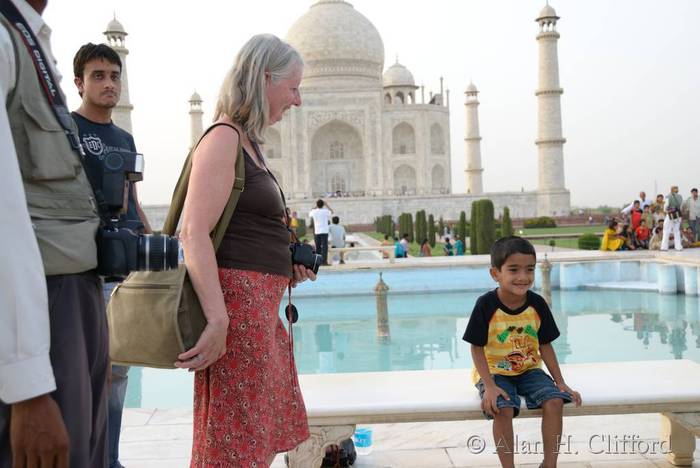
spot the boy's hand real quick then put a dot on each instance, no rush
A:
(490, 399)
(574, 394)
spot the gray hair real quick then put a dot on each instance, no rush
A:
(242, 97)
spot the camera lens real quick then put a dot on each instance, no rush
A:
(158, 252)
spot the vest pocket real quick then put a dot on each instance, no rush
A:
(50, 156)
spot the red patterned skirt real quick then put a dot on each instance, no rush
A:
(248, 405)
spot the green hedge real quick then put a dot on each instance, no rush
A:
(385, 225)
(431, 230)
(506, 224)
(541, 222)
(462, 227)
(589, 241)
(483, 228)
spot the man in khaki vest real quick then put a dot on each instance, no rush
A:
(53, 330)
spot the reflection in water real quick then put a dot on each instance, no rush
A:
(339, 334)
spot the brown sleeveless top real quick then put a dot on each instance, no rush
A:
(257, 238)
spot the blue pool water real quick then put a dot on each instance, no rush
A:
(338, 334)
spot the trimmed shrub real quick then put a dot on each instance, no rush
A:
(506, 224)
(589, 241)
(421, 226)
(431, 230)
(485, 230)
(541, 222)
(441, 226)
(462, 225)
(473, 247)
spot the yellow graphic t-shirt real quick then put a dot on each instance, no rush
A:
(511, 338)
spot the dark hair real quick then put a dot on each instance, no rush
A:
(507, 246)
(625, 228)
(90, 52)
(642, 221)
(636, 202)
(386, 236)
(693, 190)
(425, 241)
(319, 203)
(612, 224)
(405, 235)
(335, 220)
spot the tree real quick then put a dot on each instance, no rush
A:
(431, 230)
(421, 226)
(473, 247)
(441, 226)
(506, 224)
(486, 229)
(462, 226)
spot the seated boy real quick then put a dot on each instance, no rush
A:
(511, 330)
(641, 235)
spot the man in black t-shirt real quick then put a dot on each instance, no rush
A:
(97, 70)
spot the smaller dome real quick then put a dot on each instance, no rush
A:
(195, 97)
(547, 12)
(115, 26)
(398, 75)
(471, 88)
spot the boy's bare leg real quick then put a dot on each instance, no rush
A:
(551, 430)
(503, 436)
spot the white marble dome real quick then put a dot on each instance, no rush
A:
(471, 88)
(398, 75)
(547, 12)
(115, 26)
(335, 40)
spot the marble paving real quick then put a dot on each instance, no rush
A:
(162, 438)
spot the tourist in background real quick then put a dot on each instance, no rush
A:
(425, 250)
(648, 217)
(247, 402)
(673, 219)
(447, 248)
(657, 236)
(321, 216)
(641, 235)
(691, 212)
(405, 244)
(626, 236)
(385, 243)
(657, 208)
(611, 239)
(399, 251)
(459, 245)
(337, 234)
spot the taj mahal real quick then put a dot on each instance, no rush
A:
(372, 139)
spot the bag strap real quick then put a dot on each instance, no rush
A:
(180, 192)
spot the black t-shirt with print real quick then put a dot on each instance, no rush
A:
(487, 305)
(99, 140)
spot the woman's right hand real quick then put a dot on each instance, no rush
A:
(209, 348)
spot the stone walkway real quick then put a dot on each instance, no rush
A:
(162, 438)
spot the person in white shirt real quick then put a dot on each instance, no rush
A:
(673, 219)
(337, 234)
(321, 216)
(642, 203)
(53, 369)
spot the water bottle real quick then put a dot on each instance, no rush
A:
(363, 440)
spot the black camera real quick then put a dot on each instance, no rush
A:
(303, 254)
(120, 249)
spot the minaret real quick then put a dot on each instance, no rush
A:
(472, 142)
(196, 127)
(553, 198)
(116, 35)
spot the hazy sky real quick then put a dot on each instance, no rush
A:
(629, 69)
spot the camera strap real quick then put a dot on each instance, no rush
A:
(43, 70)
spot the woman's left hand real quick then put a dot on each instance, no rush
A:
(301, 274)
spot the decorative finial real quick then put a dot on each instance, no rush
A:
(397, 59)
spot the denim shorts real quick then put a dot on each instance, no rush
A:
(535, 385)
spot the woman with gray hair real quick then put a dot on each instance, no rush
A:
(247, 402)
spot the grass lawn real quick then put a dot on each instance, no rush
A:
(413, 247)
(562, 230)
